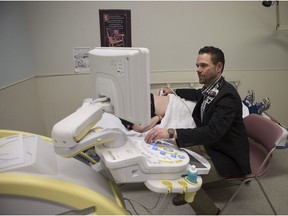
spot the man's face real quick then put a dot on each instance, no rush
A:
(206, 70)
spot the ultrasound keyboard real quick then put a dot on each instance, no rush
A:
(137, 161)
(161, 156)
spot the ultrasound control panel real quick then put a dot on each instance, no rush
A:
(137, 161)
(161, 155)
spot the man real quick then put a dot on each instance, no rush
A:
(220, 134)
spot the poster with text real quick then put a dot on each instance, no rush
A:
(115, 28)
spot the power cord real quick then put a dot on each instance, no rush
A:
(149, 210)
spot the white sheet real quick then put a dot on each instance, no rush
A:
(109, 120)
(178, 113)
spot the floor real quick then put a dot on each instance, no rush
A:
(249, 201)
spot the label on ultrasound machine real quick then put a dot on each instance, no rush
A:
(11, 151)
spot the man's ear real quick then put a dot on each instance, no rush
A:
(219, 67)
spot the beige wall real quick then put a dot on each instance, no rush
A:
(173, 31)
(61, 95)
(256, 54)
(20, 108)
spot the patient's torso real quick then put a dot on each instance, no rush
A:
(161, 103)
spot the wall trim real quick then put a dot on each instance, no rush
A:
(16, 83)
(63, 74)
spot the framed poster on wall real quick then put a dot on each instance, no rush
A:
(115, 28)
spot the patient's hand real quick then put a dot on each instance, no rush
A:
(143, 129)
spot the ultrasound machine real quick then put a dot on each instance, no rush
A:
(40, 174)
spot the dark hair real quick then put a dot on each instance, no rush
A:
(216, 54)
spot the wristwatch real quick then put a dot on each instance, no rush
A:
(171, 132)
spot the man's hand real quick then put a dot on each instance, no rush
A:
(164, 91)
(155, 134)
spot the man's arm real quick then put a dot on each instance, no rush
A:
(218, 121)
(189, 94)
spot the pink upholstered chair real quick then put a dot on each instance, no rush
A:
(263, 135)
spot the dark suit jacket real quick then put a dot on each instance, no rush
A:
(222, 133)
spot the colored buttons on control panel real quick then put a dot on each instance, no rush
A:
(160, 153)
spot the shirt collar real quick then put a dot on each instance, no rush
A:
(205, 89)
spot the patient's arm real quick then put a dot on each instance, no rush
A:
(153, 122)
